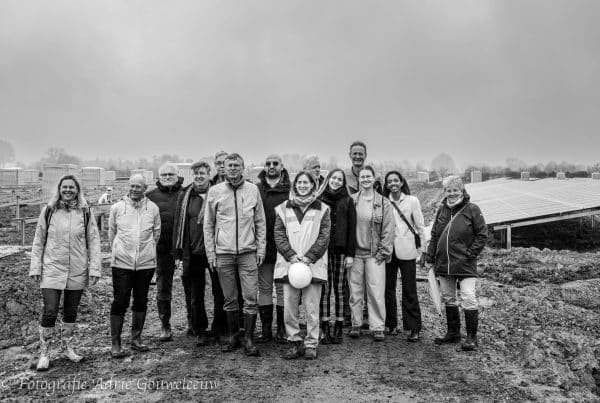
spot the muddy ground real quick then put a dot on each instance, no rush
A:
(538, 341)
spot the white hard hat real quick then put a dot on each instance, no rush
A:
(299, 275)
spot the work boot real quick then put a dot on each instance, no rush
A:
(66, 339)
(241, 323)
(45, 343)
(164, 314)
(190, 329)
(116, 326)
(137, 324)
(250, 324)
(266, 322)
(281, 335)
(310, 353)
(338, 333)
(326, 332)
(471, 319)
(296, 350)
(233, 329)
(453, 321)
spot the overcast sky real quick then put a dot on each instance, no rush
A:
(480, 80)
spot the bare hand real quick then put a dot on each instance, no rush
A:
(348, 262)
(94, 280)
(36, 277)
(294, 259)
(212, 264)
(179, 264)
(259, 260)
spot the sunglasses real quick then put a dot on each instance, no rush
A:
(272, 163)
(168, 174)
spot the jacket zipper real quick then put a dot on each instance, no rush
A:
(137, 248)
(237, 246)
(448, 242)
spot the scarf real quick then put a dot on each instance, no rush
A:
(302, 202)
(456, 203)
(68, 205)
(331, 197)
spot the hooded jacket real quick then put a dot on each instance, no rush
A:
(458, 236)
(64, 261)
(166, 200)
(271, 198)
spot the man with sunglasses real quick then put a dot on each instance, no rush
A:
(274, 186)
(165, 197)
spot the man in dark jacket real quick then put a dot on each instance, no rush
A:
(220, 168)
(189, 251)
(274, 187)
(165, 196)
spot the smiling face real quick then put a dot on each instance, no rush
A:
(366, 179)
(304, 185)
(336, 180)
(273, 168)
(168, 176)
(358, 155)
(453, 192)
(234, 169)
(394, 183)
(201, 177)
(137, 187)
(68, 190)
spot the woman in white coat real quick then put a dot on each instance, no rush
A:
(65, 258)
(410, 230)
(302, 226)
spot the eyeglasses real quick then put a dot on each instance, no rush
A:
(272, 163)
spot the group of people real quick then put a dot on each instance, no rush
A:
(353, 230)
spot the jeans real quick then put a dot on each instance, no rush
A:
(265, 285)
(366, 272)
(126, 282)
(336, 274)
(291, 316)
(229, 267)
(197, 266)
(411, 312)
(468, 299)
(51, 298)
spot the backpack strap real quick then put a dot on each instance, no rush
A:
(86, 220)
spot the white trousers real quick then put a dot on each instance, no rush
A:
(366, 273)
(311, 297)
(468, 299)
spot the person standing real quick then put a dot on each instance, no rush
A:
(165, 197)
(133, 231)
(374, 243)
(302, 229)
(342, 247)
(312, 164)
(189, 252)
(235, 241)
(458, 236)
(358, 158)
(274, 187)
(219, 168)
(410, 230)
(65, 258)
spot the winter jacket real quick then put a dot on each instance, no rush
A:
(455, 245)
(189, 240)
(271, 198)
(354, 186)
(166, 200)
(404, 241)
(342, 236)
(299, 234)
(133, 232)
(59, 252)
(382, 227)
(234, 220)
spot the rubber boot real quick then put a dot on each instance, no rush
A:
(137, 324)
(116, 327)
(233, 329)
(250, 324)
(266, 322)
(471, 320)
(338, 332)
(66, 339)
(164, 314)
(45, 343)
(281, 335)
(241, 324)
(453, 320)
(326, 332)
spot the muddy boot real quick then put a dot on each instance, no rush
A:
(453, 320)
(296, 350)
(164, 314)
(116, 326)
(137, 324)
(326, 332)
(190, 329)
(45, 343)
(249, 347)
(241, 323)
(281, 335)
(338, 332)
(66, 339)
(233, 329)
(471, 319)
(266, 322)
(202, 340)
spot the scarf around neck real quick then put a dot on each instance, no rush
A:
(450, 205)
(302, 202)
(332, 196)
(68, 205)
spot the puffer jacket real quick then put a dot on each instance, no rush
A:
(383, 227)
(64, 262)
(458, 236)
(234, 220)
(166, 200)
(271, 198)
(133, 232)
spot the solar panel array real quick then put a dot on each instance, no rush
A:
(507, 200)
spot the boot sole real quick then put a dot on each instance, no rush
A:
(140, 349)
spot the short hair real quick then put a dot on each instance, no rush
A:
(219, 153)
(274, 157)
(201, 164)
(453, 180)
(166, 165)
(368, 168)
(358, 143)
(139, 177)
(234, 156)
(309, 160)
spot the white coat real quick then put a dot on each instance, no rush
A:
(404, 240)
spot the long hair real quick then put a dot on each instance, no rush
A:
(329, 175)
(81, 202)
(404, 189)
(310, 177)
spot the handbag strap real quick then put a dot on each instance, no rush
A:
(410, 227)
